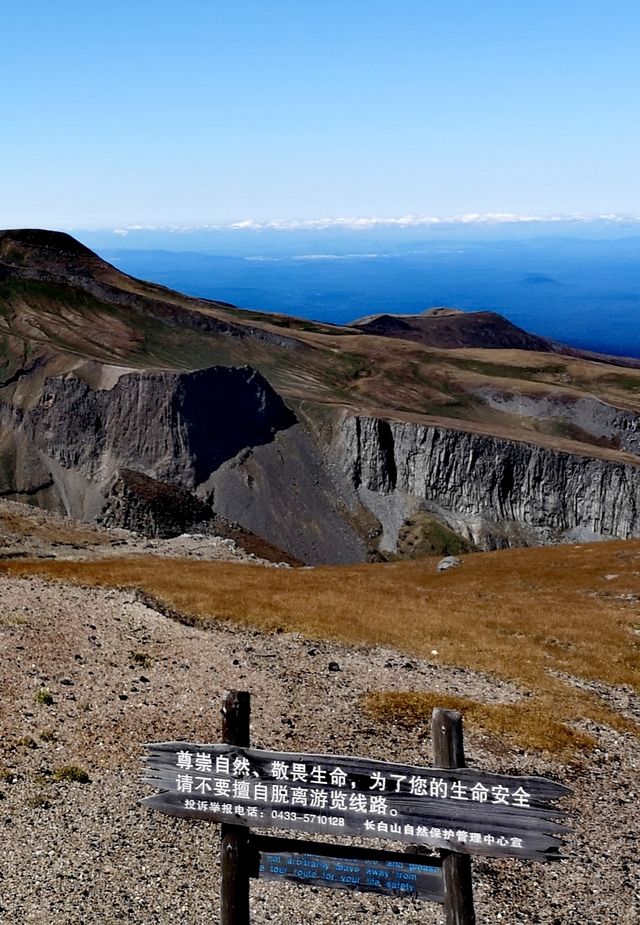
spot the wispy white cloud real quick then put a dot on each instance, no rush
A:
(338, 256)
(371, 222)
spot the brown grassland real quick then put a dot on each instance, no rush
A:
(563, 623)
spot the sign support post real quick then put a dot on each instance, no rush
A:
(448, 752)
(234, 839)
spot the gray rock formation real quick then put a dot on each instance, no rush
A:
(174, 427)
(607, 426)
(448, 562)
(321, 484)
(495, 492)
(222, 433)
(144, 505)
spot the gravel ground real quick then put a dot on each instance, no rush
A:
(28, 531)
(120, 674)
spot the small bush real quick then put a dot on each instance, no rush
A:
(71, 773)
(39, 801)
(48, 735)
(44, 697)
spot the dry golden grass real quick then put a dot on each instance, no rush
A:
(518, 614)
(522, 724)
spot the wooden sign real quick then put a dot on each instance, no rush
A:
(461, 810)
(349, 868)
(451, 807)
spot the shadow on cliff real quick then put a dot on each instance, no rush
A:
(178, 427)
(224, 417)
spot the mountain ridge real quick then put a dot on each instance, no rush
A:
(78, 334)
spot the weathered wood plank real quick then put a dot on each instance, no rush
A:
(431, 891)
(347, 803)
(259, 842)
(234, 839)
(534, 845)
(360, 770)
(448, 752)
(387, 878)
(457, 809)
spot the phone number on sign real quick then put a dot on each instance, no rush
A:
(286, 815)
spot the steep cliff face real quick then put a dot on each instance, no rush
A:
(222, 433)
(326, 493)
(494, 492)
(175, 427)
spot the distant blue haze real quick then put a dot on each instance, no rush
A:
(582, 292)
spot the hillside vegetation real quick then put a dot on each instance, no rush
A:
(562, 623)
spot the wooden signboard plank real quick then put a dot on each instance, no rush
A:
(489, 839)
(348, 867)
(346, 802)
(460, 809)
(363, 772)
(332, 849)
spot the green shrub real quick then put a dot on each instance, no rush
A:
(44, 697)
(72, 773)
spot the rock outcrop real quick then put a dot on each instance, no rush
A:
(173, 427)
(588, 418)
(492, 491)
(157, 509)
(137, 453)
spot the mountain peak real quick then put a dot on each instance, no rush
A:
(53, 251)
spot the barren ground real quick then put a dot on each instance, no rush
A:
(120, 674)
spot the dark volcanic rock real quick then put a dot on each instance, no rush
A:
(145, 505)
(220, 433)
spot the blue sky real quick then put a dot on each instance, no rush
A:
(205, 111)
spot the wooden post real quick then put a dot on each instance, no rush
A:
(448, 752)
(234, 844)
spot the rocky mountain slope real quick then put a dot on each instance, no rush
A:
(325, 440)
(450, 327)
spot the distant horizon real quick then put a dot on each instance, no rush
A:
(366, 222)
(358, 235)
(579, 288)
